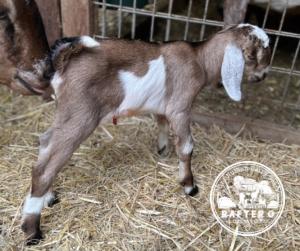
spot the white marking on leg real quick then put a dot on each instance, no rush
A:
(56, 81)
(188, 189)
(34, 205)
(89, 42)
(181, 170)
(44, 151)
(163, 135)
(145, 93)
(163, 140)
(188, 146)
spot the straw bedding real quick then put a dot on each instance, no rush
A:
(116, 193)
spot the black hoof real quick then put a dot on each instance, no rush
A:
(34, 239)
(54, 200)
(162, 150)
(194, 191)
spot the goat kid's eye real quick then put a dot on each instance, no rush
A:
(3, 15)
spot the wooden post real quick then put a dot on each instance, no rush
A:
(259, 128)
(77, 17)
(50, 12)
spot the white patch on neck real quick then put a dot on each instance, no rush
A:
(258, 32)
(88, 42)
(146, 93)
(56, 81)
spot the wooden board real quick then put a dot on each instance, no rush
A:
(50, 12)
(77, 17)
(259, 128)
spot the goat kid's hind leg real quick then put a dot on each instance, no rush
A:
(163, 135)
(180, 124)
(51, 197)
(57, 146)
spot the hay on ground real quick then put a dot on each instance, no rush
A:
(116, 193)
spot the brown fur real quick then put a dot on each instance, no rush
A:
(235, 11)
(22, 40)
(91, 91)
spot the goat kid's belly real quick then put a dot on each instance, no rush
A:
(143, 94)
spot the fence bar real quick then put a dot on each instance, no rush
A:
(168, 27)
(285, 71)
(204, 18)
(279, 30)
(266, 14)
(187, 24)
(133, 23)
(194, 20)
(120, 19)
(103, 17)
(287, 85)
(152, 20)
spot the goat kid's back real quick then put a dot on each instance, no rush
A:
(120, 77)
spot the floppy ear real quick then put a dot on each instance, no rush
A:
(232, 71)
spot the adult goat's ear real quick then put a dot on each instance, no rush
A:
(232, 71)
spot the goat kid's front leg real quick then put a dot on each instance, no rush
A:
(163, 135)
(180, 124)
(57, 146)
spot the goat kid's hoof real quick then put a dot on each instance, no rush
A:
(164, 151)
(191, 191)
(31, 228)
(34, 239)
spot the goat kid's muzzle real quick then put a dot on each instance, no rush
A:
(24, 87)
(258, 76)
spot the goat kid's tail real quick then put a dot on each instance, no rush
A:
(38, 80)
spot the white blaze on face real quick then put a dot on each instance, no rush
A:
(144, 93)
(258, 32)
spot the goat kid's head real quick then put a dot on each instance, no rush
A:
(22, 41)
(248, 50)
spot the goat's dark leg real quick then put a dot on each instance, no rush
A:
(57, 146)
(180, 124)
(163, 135)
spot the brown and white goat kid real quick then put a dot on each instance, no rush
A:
(99, 81)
